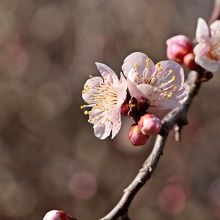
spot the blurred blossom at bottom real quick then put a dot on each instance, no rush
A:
(174, 196)
(83, 185)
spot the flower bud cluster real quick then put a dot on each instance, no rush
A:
(180, 49)
(147, 125)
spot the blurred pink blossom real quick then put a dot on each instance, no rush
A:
(83, 185)
(175, 195)
(207, 51)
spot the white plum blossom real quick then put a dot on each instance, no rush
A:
(105, 95)
(161, 84)
(207, 51)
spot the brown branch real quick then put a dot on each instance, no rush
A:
(178, 118)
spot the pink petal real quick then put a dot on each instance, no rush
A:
(96, 115)
(202, 30)
(106, 72)
(168, 73)
(152, 93)
(91, 84)
(215, 27)
(207, 63)
(178, 98)
(102, 131)
(133, 90)
(201, 49)
(116, 123)
(137, 59)
(121, 90)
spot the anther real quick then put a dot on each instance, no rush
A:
(86, 112)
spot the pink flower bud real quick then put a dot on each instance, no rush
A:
(57, 215)
(149, 124)
(189, 61)
(136, 137)
(178, 47)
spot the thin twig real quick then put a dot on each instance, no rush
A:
(177, 117)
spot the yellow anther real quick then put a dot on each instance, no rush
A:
(82, 106)
(174, 78)
(168, 94)
(86, 112)
(170, 71)
(135, 66)
(147, 63)
(148, 60)
(158, 65)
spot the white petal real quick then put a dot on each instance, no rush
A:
(116, 122)
(215, 27)
(102, 131)
(178, 98)
(207, 63)
(107, 72)
(133, 76)
(139, 60)
(152, 93)
(133, 90)
(96, 116)
(121, 90)
(201, 49)
(169, 72)
(89, 87)
(202, 30)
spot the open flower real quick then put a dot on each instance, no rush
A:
(161, 84)
(207, 51)
(105, 95)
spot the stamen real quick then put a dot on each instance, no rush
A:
(147, 63)
(86, 112)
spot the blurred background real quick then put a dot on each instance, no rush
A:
(49, 156)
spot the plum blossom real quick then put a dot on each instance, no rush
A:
(105, 95)
(161, 84)
(207, 51)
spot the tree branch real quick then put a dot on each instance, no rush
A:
(178, 118)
